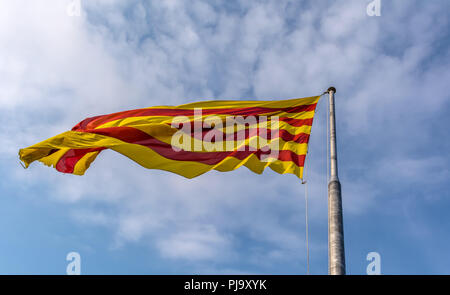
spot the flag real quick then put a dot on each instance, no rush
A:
(189, 139)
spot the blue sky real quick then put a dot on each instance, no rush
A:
(391, 73)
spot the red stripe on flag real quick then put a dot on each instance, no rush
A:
(91, 123)
(247, 133)
(131, 135)
(68, 161)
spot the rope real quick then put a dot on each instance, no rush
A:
(307, 226)
(306, 219)
(306, 199)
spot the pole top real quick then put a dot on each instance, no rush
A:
(331, 89)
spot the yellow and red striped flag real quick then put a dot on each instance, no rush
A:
(189, 139)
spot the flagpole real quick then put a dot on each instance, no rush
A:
(336, 252)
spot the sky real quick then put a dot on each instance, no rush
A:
(66, 60)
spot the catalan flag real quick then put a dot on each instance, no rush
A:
(189, 139)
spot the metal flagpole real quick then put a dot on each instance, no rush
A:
(336, 253)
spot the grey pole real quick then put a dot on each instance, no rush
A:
(336, 253)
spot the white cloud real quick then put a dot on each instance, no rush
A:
(195, 244)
